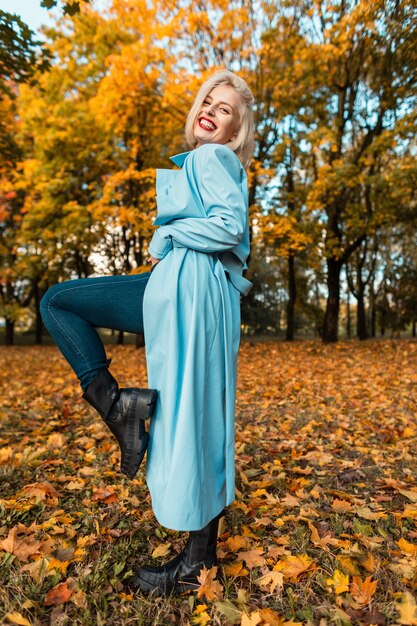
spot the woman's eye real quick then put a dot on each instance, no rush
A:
(224, 110)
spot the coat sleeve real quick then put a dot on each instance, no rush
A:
(218, 174)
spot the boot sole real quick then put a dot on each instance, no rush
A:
(141, 408)
(137, 583)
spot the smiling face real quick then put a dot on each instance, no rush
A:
(218, 118)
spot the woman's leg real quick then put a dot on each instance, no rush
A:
(72, 311)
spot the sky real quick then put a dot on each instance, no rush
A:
(30, 11)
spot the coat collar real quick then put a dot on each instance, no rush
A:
(179, 159)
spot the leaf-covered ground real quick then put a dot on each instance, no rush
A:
(323, 530)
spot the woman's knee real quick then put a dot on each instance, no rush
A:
(48, 299)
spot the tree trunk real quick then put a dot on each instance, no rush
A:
(361, 317)
(331, 318)
(292, 294)
(140, 340)
(9, 334)
(38, 318)
(120, 338)
(348, 316)
(413, 329)
(372, 312)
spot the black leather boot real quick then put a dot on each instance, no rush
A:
(180, 574)
(124, 411)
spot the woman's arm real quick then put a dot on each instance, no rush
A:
(218, 174)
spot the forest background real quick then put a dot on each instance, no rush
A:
(87, 116)
(323, 531)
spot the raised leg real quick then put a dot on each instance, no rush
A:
(72, 311)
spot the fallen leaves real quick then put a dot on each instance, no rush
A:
(293, 567)
(407, 609)
(362, 590)
(21, 544)
(209, 588)
(59, 594)
(324, 526)
(339, 581)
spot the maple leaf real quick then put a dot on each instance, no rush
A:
(43, 491)
(324, 541)
(22, 547)
(253, 558)
(407, 609)
(272, 580)
(209, 588)
(290, 501)
(363, 590)
(341, 506)
(58, 595)
(294, 566)
(339, 581)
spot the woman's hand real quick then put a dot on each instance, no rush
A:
(153, 260)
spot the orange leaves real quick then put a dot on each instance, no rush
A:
(21, 545)
(293, 567)
(322, 504)
(252, 558)
(58, 595)
(407, 547)
(362, 590)
(42, 491)
(341, 506)
(209, 588)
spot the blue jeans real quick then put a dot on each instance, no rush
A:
(72, 311)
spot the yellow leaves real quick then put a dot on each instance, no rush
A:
(362, 590)
(295, 566)
(17, 618)
(339, 581)
(407, 609)
(162, 550)
(406, 546)
(272, 581)
(209, 588)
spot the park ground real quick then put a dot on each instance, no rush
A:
(323, 530)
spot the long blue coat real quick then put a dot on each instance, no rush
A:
(192, 330)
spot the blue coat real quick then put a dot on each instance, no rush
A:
(191, 314)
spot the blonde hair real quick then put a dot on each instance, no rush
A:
(243, 144)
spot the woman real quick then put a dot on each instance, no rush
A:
(191, 321)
